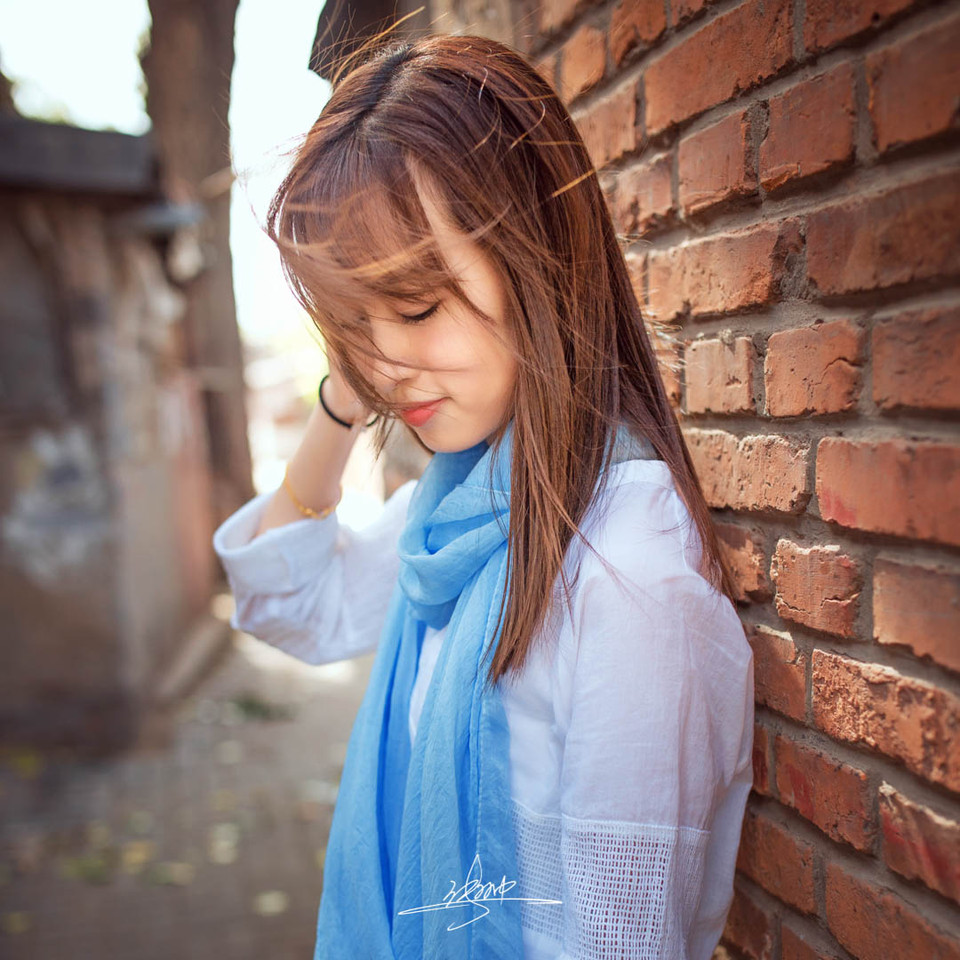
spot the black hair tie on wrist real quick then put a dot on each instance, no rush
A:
(332, 415)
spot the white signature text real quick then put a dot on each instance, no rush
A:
(474, 891)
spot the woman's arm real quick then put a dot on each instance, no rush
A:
(317, 589)
(658, 734)
(315, 470)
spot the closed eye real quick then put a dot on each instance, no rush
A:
(418, 317)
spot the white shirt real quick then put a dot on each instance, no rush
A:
(631, 727)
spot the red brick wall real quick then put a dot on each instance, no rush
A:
(790, 171)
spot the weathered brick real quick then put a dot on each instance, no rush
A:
(725, 57)
(668, 361)
(916, 357)
(635, 24)
(608, 127)
(817, 586)
(907, 719)
(774, 858)
(607, 181)
(919, 843)
(814, 370)
(749, 927)
(683, 10)
(900, 487)
(780, 672)
(716, 165)
(547, 68)
(750, 473)
(636, 268)
(913, 86)
(646, 196)
(811, 129)
(829, 22)
(868, 921)
(723, 274)
(719, 376)
(918, 607)
(829, 793)
(582, 62)
(744, 553)
(761, 761)
(794, 946)
(909, 233)
(556, 13)
(666, 348)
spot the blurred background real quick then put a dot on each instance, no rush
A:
(166, 784)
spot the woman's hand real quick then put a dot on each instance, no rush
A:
(340, 398)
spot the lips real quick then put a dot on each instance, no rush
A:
(418, 415)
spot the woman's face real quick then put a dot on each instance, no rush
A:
(449, 358)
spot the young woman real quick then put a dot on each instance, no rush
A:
(553, 754)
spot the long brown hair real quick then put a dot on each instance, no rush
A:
(470, 117)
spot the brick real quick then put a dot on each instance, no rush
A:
(749, 927)
(817, 586)
(829, 793)
(774, 858)
(918, 607)
(830, 22)
(683, 10)
(919, 843)
(608, 128)
(750, 473)
(811, 129)
(716, 165)
(761, 761)
(916, 356)
(913, 86)
(636, 269)
(607, 181)
(868, 920)
(900, 487)
(646, 196)
(907, 719)
(794, 946)
(719, 376)
(556, 13)
(746, 557)
(909, 233)
(635, 24)
(728, 55)
(668, 361)
(582, 62)
(814, 370)
(780, 672)
(725, 273)
(547, 68)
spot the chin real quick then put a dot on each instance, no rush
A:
(439, 443)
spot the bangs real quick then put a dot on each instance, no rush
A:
(356, 231)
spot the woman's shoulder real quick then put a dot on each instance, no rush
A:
(640, 592)
(638, 524)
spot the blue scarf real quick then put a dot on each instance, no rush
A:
(433, 825)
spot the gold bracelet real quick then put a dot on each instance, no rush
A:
(305, 510)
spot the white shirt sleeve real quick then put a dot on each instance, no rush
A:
(660, 726)
(316, 589)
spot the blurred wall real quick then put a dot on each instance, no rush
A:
(105, 500)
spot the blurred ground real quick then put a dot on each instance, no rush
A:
(209, 846)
